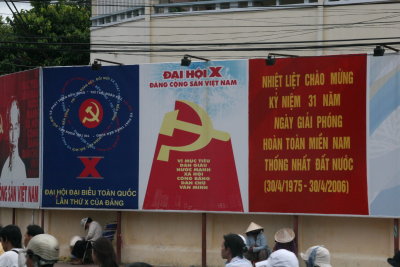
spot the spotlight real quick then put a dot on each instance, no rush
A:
(97, 66)
(379, 51)
(186, 61)
(270, 60)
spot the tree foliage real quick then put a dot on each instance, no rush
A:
(52, 33)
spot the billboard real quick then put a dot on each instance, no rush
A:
(91, 134)
(193, 136)
(384, 135)
(307, 135)
(19, 139)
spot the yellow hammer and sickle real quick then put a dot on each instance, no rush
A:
(95, 116)
(205, 131)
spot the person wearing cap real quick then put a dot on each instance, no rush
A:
(395, 260)
(256, 243)
(94, 231)
(10, 237)
(284, 239)
(280, 258)
(42, 251)
(31, 231)
(317, 256)
(232, 249)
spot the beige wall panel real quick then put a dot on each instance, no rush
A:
(369, 21)
(366, 242)
(130, 32)
(5, 216)
(25, 217)
(64, 224)
(232, 27)
(172, 239)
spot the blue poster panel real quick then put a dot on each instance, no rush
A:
(384, 136)
(90, 137)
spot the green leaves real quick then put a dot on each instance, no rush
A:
(52, 33)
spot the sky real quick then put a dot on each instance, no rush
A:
(4, 11)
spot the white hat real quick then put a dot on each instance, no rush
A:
(253, 226)
(321, 256)
(284, 235)
(280, 258)
(74, 239)
(83, 221)
(45, 246)
(243, 238)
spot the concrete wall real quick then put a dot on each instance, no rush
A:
(250, 25)
(174, 239)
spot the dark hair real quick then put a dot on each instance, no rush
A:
(34, 229)
(235, 243)
(12, 233)
(89, 220)
(291, 246)
(138, 264)
(104, 252)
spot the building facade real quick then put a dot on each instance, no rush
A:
(133, 32)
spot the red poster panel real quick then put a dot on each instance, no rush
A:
(19, 139)
(307, 135)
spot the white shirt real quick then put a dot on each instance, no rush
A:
(94, 232)
(10, 258)
(16, 171)
(239, 262)
(280, 258)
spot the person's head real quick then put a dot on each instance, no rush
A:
(395, 261)
(232, 246)
(31, 231)
(317, 256)
(14, 124)
(11, 237)
(254, 229)
(42, 251)
(103, 252)
(85, 222)
(280, 258)
(284, 239)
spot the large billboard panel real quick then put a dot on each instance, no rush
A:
(91, 134)
(307, 135)
(19, 139)
(384, 135)
(193, 136)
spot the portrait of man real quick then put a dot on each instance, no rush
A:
(14, 167)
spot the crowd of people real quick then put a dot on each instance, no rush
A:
(251, 250)
(42, 250)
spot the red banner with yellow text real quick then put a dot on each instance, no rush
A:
(307, 135)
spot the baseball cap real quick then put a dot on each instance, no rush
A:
(320, 256)
(45, 246)
(280, 258)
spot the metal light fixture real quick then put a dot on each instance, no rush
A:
(379, 51)
(271, 58)
(186, 60)
(96, 65)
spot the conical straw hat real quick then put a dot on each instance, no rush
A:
(253, 226)
(284, 235)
